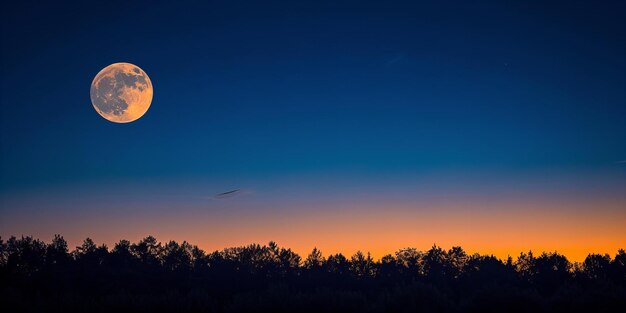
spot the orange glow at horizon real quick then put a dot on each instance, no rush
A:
(379, 229)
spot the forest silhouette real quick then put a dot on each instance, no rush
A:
(179, 277)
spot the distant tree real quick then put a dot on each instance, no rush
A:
(89, 255)
(361, 265)
(88, 247)
(410, 261)
(509, 262)
(484, 269)
(102, 252)
(26, 255)
(455, 262)
(200, 262)
(57, 252)
(551, 270)
(177, 257)
(250, 258)
(288, 260)
(219, 263)
(577, 270)
(618, 267)
(619, 260)
(596, 266)
(122, 249)
(121, 256)
(3, 253)
(314, 260)
(148, 251)
(338, 264)
(388, 266)
(525, 266)
(434, 261)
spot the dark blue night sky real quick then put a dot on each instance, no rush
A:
(350, 94)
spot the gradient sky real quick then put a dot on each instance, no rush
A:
(496, 126)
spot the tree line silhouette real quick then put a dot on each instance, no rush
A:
(180, 277)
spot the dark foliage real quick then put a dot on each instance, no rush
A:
(180, 277)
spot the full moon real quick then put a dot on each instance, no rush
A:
(121, 92)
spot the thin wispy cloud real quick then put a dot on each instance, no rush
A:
(232, 193)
